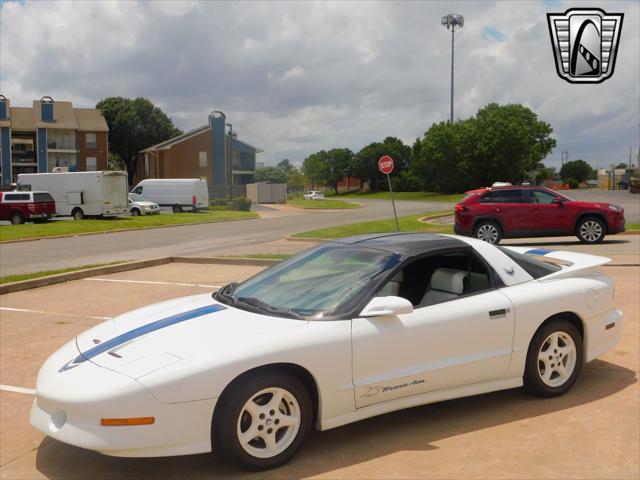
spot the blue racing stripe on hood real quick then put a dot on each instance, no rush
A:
(538, 251)
(140, 331)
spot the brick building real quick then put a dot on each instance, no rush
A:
(50, 134)
(208, 152)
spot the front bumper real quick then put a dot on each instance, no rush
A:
(69, 405)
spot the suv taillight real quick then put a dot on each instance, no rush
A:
(460, 208)
(193, 200)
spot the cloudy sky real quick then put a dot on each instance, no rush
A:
(295, 77)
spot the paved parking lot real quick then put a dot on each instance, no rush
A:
(592, 432)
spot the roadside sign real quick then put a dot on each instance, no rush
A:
(385, 164)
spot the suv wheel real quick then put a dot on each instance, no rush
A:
(16, 218)
(591, 230)
(262, 420)
(488, 231)
(78, 214)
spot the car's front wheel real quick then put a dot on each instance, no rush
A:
(488, 231)
(554, 359)
(591, 230)
(135, 212)
(262, 420)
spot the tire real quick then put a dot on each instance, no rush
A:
(591, 230)
(177, 209)
(232, 418)
(78, 214)
(488, 231)
(135, 212)
(16, 218)
(558, 343)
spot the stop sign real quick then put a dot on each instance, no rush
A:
(385, 164)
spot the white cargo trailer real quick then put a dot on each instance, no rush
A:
(82, 194)
(178, 193)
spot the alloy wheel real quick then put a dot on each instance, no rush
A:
(488, 233)
(591, 231)
(557, 359)
(268, 422)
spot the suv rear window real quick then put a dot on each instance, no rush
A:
(503, 196)
(17, 196)
(42, 197)
(535, 268)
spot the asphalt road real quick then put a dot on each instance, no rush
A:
(191, 240)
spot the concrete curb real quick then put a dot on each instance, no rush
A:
(359, 205)
(427, 218)
(119, 230)
(126, 266)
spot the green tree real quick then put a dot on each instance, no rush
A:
(622, 165)
(270, 174)
(365, 162)
(285, 165)
(577, 170)
(541, 176)
(296, 180)
(500, 143)
(315, 167)
(134, 124)
(339, 165)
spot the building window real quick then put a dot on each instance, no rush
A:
(203, 159)
(92, 164)
(90, 140)
(61, 139)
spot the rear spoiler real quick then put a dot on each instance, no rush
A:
(573, 264)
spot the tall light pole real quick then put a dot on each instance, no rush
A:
(452, 21)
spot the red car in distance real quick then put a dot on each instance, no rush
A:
(18, 207)
(491, 214)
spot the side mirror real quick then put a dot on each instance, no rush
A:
(558, 201)
(386, 306)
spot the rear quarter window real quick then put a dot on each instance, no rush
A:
(535, 268)
(17, 197)
(42, 197)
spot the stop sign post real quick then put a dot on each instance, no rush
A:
(385, 165)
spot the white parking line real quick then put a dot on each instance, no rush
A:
(149, 282)
(26, 310)
(9, 388)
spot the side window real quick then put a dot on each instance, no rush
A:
(138, 190)
(439, 278)
(17, 197)
(540, 196)
(509, 196)
(488, 197)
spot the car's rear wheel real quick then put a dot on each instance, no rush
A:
(554, 359)
(78, 214)
(262, 420)
(488, 231)
(591, 230)
(16, 218)
(177, 209)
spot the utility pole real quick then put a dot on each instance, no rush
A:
(451, 21)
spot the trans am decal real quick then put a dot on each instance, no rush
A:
(376, 389)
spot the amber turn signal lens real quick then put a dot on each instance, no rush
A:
(125, 422)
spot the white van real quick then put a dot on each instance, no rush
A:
(177, 193)
(81, 194)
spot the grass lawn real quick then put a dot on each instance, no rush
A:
(72, 227)
(28, 276)
(419, 196)
(321, 204)
(407, 224)
(632, 226)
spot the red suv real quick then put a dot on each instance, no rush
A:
(18, 207)
(514, 212)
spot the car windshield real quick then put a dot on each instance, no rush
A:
(316, 283)
(134, 197)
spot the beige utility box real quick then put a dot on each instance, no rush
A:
(263, 192)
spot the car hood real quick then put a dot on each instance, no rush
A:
(147, 339)
(144, 204)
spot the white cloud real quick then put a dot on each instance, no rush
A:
(294, 77)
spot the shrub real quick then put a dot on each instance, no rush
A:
(242, 203)
(406, 182)
(572, 182)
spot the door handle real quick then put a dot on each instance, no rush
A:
(498, 313)
(496, 209)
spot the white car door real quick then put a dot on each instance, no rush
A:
(457, 342)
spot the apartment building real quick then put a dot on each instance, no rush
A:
(50, 134)
(209, 151)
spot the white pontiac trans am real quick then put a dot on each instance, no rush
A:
(344, 331)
